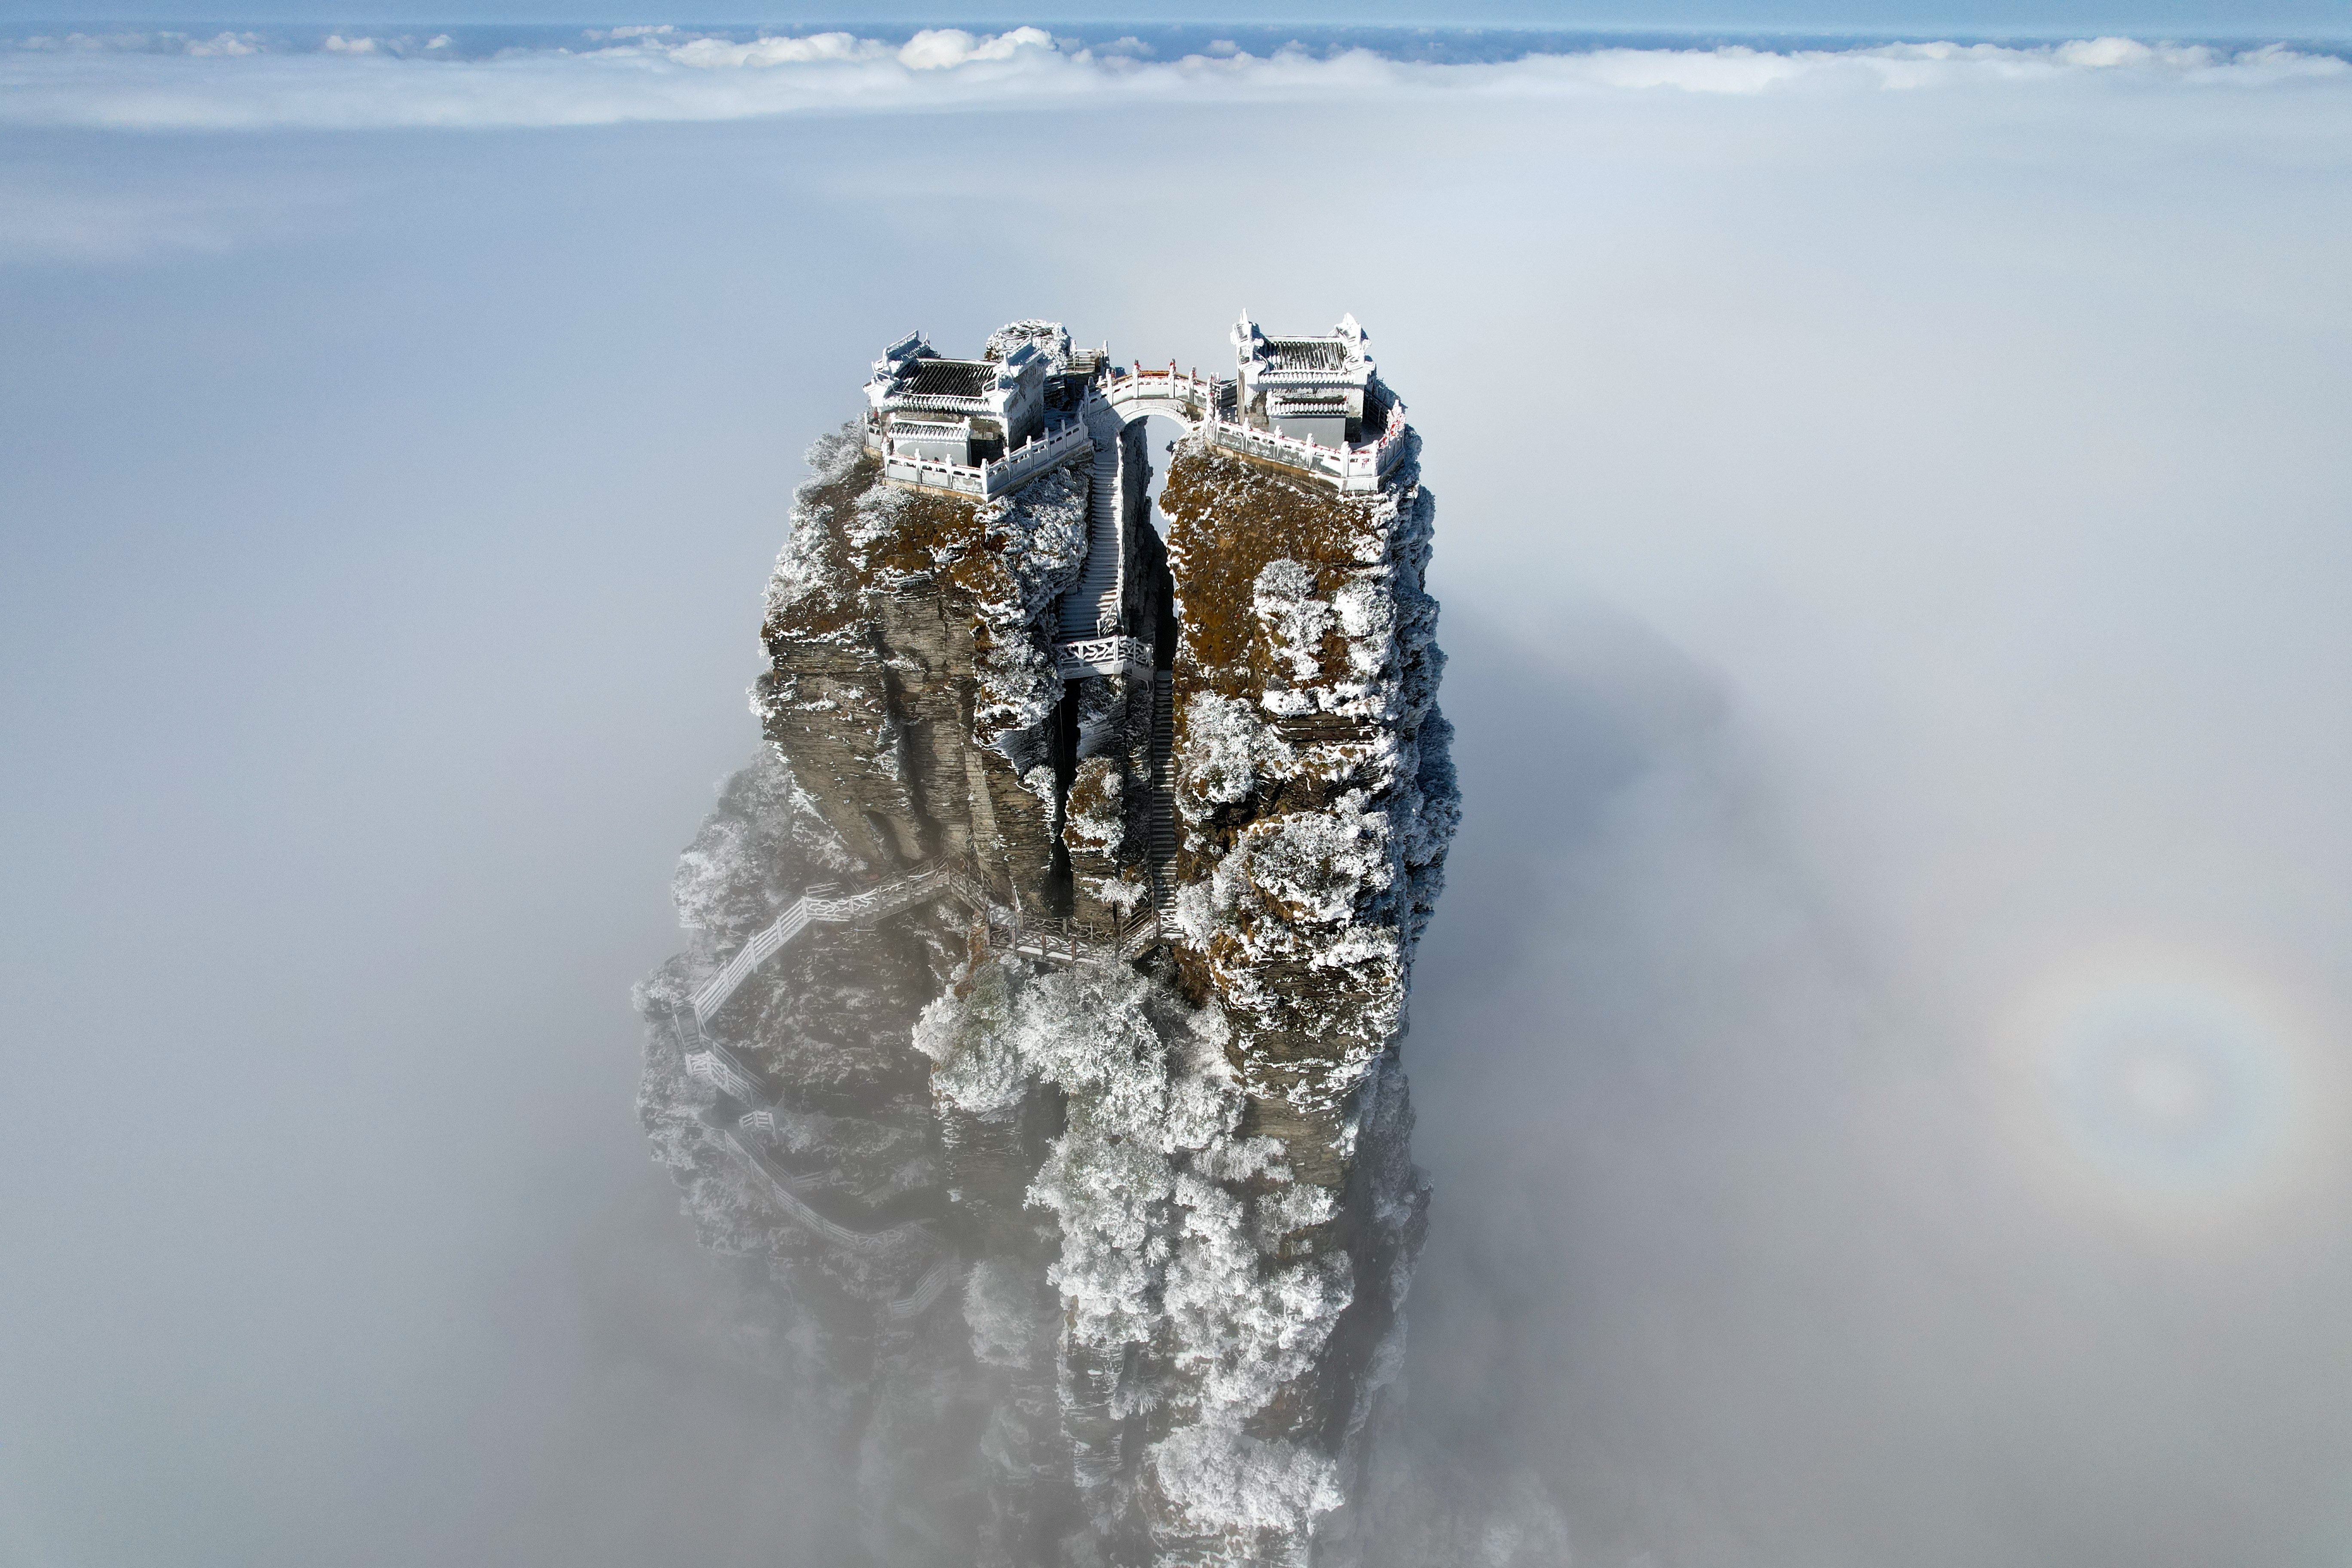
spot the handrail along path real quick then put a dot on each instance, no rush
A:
(712, 1061)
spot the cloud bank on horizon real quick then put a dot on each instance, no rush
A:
(235, 80)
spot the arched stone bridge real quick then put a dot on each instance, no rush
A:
(1188, 398)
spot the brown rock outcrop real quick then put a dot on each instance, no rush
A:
(1174, 1188)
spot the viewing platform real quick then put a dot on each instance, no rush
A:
(1118, 655)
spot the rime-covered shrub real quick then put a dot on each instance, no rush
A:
(1002, 1310)
(732, 878)
(975, 1066)
(1293, 622)
(1229, 755)
(1095, 817)
(1226, 1480)
(809, 582)
(1171, 1225)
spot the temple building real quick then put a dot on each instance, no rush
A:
(1317, 390)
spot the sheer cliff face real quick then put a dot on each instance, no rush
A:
(910, 686)
(1313, 769)
(1101, 1254)
(1316, 796)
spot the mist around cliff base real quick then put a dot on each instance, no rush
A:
(1879, 1056)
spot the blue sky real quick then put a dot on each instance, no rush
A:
(2200, 18)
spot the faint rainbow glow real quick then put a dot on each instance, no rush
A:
(2177, 1082)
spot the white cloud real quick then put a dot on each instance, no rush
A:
(946, 48)
(762, 53)
(171, 81)
(225, 43)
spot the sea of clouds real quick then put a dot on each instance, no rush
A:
(1881, 1057)
(353, 79)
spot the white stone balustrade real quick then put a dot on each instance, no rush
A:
(1192, 400)
(1179, 395)
(714, 1064)
(1082, 656)
(931, 473)
(1353, 469)
(988, 480)
(1026, 463)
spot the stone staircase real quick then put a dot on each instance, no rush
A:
(1093, 604)
(1160, 847)
(739, 1088)
(745, 1114)
(1055, 942)
(888, 898)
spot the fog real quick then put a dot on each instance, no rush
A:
(1881, 1057)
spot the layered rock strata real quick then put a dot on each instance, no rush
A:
(1100, 1250)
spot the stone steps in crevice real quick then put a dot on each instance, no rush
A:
(1093, 602)
(1161, 847)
